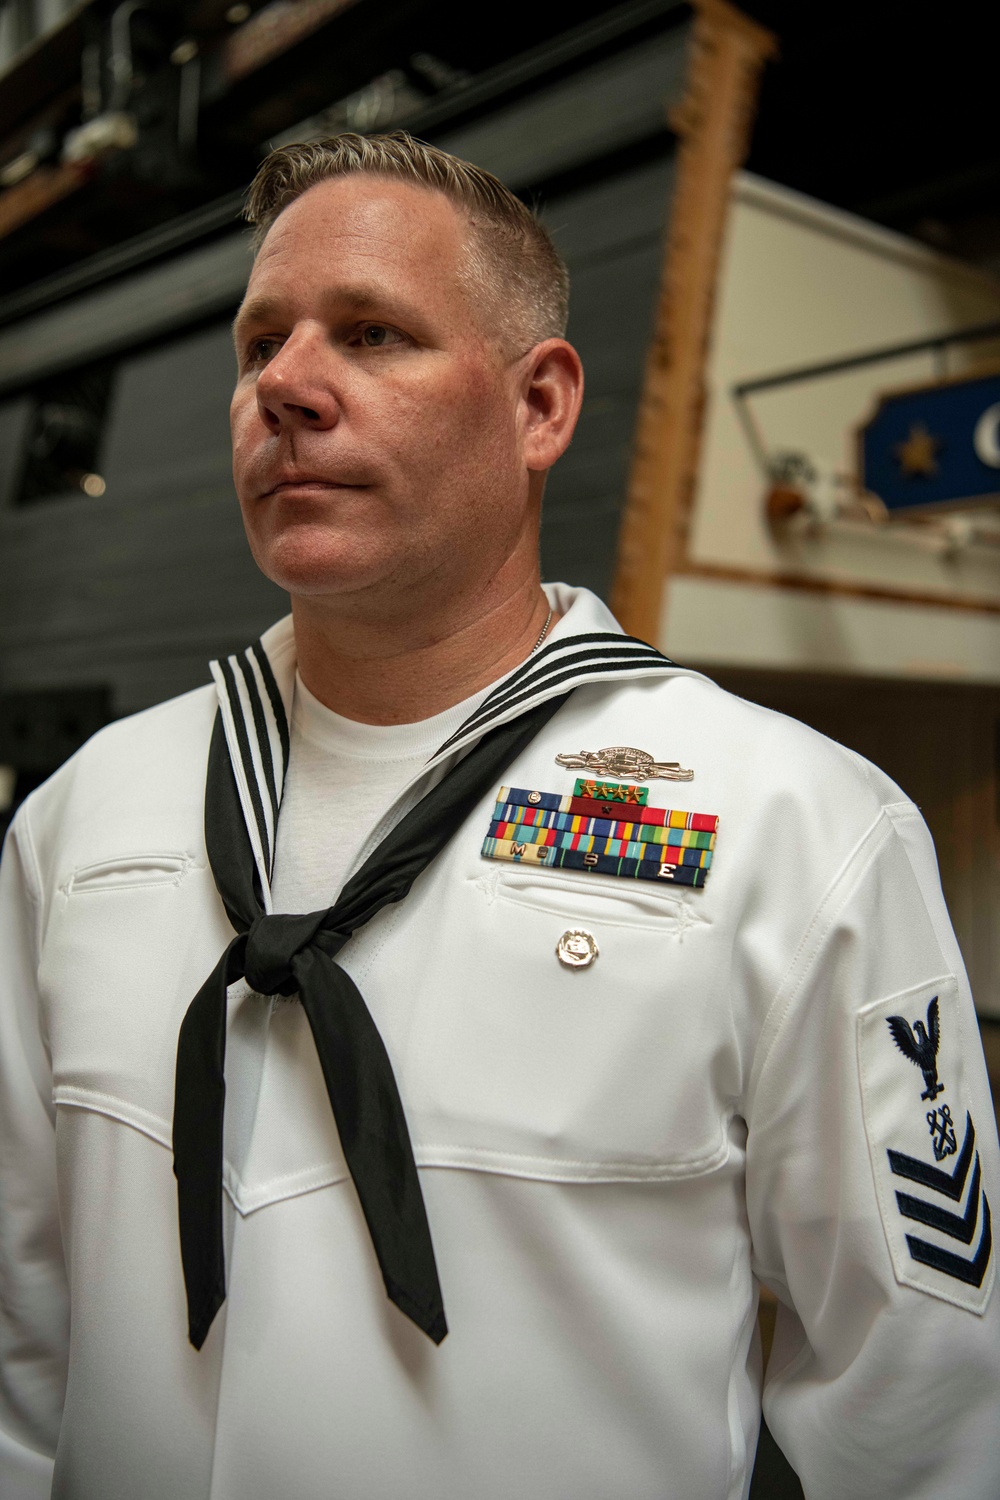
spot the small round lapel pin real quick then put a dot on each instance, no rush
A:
(577, 949)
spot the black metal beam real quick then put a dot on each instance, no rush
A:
(869, 357)
(512, 77)
(178, 233)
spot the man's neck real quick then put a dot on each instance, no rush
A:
(381, 672)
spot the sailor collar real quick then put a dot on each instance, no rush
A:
(255, 688)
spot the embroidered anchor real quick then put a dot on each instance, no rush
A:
(921, 1049)
(942, 1129)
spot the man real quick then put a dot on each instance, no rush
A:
(577, 1045)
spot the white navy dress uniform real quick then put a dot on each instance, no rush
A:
(613, 1155)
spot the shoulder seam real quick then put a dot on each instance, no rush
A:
(832, 901)
(900, 810)
(22, 831)
(863, 766)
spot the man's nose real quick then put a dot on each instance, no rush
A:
(295, 388)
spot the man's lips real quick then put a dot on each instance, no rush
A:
(311, 483)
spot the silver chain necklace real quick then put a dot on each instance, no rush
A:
(545, 631)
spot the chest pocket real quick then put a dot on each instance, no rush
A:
(513, 1061)
(129, 940)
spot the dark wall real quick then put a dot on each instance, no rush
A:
(136, 588)
(130, 588)
(611, 235)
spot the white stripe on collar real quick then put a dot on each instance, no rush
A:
(255, 690)
(255, 720)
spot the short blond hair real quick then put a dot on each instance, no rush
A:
(513, 264)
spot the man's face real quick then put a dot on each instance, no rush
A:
(377, 424)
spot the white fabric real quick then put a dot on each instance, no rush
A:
(610, 1157)
(342, 779)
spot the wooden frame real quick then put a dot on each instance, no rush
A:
(713, 122)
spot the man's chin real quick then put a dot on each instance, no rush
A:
(310, 571)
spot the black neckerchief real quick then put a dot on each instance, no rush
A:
(293, 954)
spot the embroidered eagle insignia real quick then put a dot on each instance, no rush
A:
(921, 1048)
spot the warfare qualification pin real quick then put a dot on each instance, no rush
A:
(627, 762)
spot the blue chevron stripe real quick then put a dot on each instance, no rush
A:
(972, 1271)
(958, 1226)
(952, 1184)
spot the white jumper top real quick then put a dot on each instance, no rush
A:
(612, 1157)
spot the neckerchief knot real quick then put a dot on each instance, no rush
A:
(272, 945)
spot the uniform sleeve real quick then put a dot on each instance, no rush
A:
(872, 1165)
(34, 1303)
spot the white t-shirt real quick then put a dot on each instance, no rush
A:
(343, 777)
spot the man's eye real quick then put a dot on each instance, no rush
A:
(259, 351)
(377, 336)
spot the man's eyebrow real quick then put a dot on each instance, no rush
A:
(358, 298)
(257, 310)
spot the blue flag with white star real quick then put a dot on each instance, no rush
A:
(936, 446)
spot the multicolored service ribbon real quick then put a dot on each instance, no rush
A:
(581, 833)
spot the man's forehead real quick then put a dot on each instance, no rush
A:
(366, 215)
(356, 238)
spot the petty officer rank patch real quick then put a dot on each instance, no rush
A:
(615, 833)
(923, 1147)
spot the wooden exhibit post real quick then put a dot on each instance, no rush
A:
(713, 123)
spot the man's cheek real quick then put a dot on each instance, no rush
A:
(238, 407)
(457, 402)
(244, 418)
(246, 444)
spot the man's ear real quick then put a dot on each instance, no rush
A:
(552, 393)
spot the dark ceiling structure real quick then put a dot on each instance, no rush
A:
(132, 120)
(889, 111)
(129, 116)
